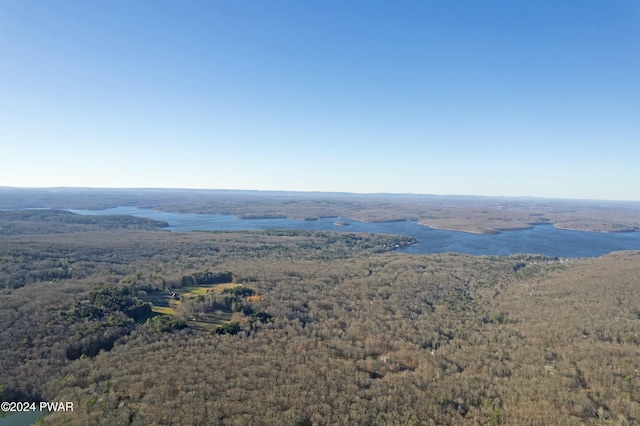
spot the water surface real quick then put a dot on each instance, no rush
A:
(542, 239)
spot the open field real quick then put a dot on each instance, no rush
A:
(189, 292)
(164, 303)
(165, 310)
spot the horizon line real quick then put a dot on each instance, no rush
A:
(324, 192)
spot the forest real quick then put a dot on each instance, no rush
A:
(136, 325)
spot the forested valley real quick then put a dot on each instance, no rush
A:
(141, 326)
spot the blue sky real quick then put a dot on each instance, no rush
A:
(515, 98)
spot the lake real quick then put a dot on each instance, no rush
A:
(24, 418)
(542, 239)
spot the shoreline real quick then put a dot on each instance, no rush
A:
(484, 231)
(480, 230)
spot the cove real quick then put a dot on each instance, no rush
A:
(23, 418)
(541, 239)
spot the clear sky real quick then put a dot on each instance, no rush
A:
(515, 98)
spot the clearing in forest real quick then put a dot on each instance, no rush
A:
(166, 303)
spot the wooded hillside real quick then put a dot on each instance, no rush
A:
(335, 329)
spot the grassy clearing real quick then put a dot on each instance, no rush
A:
(210, 321)
(219, 288)
(165, 305)
(206, 289)
(166, 310)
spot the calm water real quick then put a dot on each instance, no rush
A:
(544, 239)
(25, 418)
